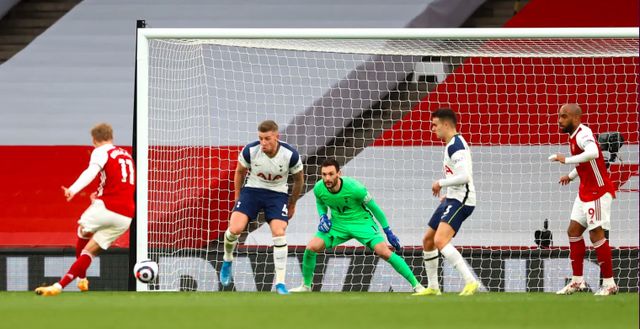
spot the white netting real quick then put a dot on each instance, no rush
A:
(367, 102)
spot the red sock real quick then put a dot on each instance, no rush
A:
(577, 251)
(79, 267)
(80, 243)
(603, 251)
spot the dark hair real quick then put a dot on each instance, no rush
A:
(267, 126)
(328, 162)
(445, 114)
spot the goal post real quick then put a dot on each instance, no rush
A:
(364, 96)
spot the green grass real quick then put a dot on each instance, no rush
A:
(315, 310)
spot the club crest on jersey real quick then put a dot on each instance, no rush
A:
(448, 170)
(269, 177)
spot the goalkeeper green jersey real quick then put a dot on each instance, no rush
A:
(352, 206)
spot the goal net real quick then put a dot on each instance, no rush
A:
(365, 98)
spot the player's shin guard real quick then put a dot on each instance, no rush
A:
(577, 251)
(280, 252)
(230, 241)
(401, 267)
(79, 266)
(431, 262)
(603, 252)
(453, 256)
(308, 266)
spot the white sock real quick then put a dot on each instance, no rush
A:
(608, 282)
(230, 241)
(280, 252)
(452, 255)
(577, 279)
(431, 261)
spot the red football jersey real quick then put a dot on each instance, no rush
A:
(117, 179)
(594, 178)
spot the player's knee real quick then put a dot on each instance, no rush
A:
(439, 243)
(427, 243)
(315, 246)
(235, 230)
(383, 251)
(278, 232)
(596, 234)
(572, 232)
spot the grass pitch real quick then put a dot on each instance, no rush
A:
(315, 310)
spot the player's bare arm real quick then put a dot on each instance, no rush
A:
(87, 176)
(238, 180)
(298, 183)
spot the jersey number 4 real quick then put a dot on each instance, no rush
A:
(126, 166)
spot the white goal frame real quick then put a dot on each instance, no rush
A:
(145, 35)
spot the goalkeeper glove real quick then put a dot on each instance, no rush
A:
(325, 224)
(392, 238)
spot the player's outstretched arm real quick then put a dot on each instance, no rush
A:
(83, 180)
(590, 153)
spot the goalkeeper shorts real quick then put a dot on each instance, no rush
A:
(368, 235)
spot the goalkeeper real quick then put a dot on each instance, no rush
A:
(352, 212)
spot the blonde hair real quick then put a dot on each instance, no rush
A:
(102, 132)
(267, 126)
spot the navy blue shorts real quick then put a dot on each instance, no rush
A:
(452, 212)
(252, 200)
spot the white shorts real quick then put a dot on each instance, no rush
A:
(593, 213)
(105, 224)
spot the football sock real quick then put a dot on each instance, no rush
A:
(607, 282)
(280, 252)
(79, 266)
(576, 254)
(230, 241)
(308, 266)
(431, 261)
(80, 244)
(401, 267)
(83, 274)
(603, 252)
(452, 255)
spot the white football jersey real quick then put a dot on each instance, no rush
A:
(457, 161)
(270, 173)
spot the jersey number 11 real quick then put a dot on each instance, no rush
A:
(126, 166)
